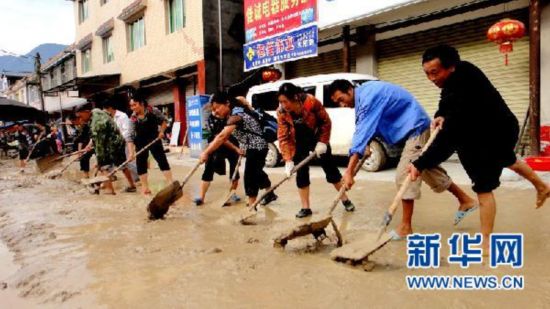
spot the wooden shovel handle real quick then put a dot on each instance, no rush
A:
(343, 188)
(130, 160)
(294, 170)
(38, 140)
(184, 141)
(70, 154)
(236, 171)
(405, 184)
(188, 176)
(70, 162)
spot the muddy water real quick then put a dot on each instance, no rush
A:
(78, 250)
(8, 295)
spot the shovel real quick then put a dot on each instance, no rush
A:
(40, 138)
(356, 253)
(253, 211)
(160, 204)
(69, 154)
(94, 189)
(100, 179)
(183, 143)
(47, 163)
(233, 178)
(59, 173)
(317, 227)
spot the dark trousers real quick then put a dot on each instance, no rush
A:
(332, 174)
(85, 161)
(219, 158)
(158, 153)
(254, 176)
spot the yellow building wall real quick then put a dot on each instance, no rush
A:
(162, 52)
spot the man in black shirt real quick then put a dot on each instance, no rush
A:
(476, 123)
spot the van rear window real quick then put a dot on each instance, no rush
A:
(266, 101)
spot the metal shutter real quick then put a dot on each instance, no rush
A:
(161, 94)
(399, 61)
(325, 63)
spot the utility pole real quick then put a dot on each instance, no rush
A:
(220, 46)
(534, 76)
(37, 66)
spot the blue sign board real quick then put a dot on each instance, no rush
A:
(198, 111)
(292, 45)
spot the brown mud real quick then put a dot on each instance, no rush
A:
(62, 247)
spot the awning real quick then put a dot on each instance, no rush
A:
(341, 12)
(89, 85)
(106, 28)
(133, 10)
(11, 110)
(84, 42)
(54, 104)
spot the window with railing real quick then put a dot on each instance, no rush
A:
(136, 33)
(176, 15)
(70, 69)
(86, 60)
(108, 51)
(83, 10)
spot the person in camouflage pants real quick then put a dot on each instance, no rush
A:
(108, 143)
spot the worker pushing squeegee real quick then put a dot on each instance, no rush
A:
(390, 112)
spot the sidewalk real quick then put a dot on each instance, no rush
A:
(453, 167)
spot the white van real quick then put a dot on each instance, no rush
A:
(343, 119)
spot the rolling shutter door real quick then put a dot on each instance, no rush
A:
(399, 61)
(161, 94)
(325, 63)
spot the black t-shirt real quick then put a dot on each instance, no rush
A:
(215, 126)
(146, 129)
(83, 135)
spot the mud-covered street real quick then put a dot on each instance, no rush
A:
(64, 248)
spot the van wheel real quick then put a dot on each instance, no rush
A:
(377, 159)
(273, 156)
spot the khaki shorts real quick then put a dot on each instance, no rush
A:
(436, 178)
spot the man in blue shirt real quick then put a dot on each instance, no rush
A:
(390, 112)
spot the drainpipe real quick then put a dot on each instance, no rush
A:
(220, 46)
(346, 51)
(534, 76)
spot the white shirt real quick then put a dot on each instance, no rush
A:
(123, 124)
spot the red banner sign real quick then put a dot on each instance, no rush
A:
(265, 18)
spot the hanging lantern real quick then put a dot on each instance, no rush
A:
(271, 75)
(504, 33)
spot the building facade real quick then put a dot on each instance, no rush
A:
(388, 42)
(171, 48)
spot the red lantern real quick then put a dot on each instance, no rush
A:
(271, 75)
(504, 33)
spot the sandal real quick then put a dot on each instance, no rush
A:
(395, 236)
(270, 197)
(130, 189)
(541, 198)
(460, 215)
(198, 201)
